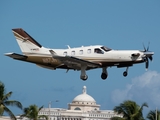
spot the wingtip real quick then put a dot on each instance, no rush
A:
(7, 54)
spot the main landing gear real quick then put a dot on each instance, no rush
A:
(84, 78)
(104, 74)
(125, 73)
(83, 75)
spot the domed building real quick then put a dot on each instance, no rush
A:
(83, 102)
(83, 107)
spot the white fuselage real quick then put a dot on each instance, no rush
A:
(80, 58)
(88, 53)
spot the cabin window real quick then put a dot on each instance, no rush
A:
(73, 53)
(65, 53)
(81, 52)
(89, 51)
(97, 50)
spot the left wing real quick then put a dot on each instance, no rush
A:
(74, 62)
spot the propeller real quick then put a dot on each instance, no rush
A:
(147, 54)
(147, 63)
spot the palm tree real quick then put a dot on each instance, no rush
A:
(152, 115)
(32, 111)
(4, 102)
(130, 110)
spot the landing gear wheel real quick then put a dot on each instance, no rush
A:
(125, 73)
(84, 78)
(104, 76)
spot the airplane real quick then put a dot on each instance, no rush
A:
(80, 58)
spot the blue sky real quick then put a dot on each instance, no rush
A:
(55, 24)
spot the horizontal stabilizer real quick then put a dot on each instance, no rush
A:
(16, 56)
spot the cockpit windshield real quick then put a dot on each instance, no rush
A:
(106, 49)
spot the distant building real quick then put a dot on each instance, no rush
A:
(83, 107)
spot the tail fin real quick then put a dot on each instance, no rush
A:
(26, 43)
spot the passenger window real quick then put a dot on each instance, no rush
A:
(73, 53)
(81, 52)
(89, 51)
(97, 50)
(65, 53)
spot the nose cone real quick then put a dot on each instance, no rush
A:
(148, 53)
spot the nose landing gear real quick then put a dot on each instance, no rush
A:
(125, 73)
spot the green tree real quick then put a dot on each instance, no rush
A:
(152, 115)
(130, 110)
(4, 102)
(32, 111)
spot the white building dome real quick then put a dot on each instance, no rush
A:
(84, 97)
(83, 102)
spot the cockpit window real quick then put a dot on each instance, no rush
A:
(105, 48)
(97, 50)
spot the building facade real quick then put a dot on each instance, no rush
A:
(83, 107)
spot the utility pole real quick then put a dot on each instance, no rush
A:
(49, 108)
(156, 113)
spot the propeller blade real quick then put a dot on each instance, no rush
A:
(147, 63)
(144, 48)
(150, 57)
(148, 46)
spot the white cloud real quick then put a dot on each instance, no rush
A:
(145, 88)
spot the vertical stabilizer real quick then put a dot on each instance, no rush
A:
(26, 43)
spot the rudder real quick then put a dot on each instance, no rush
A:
(26, 43)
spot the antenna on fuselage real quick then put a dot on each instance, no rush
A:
(68, 46)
